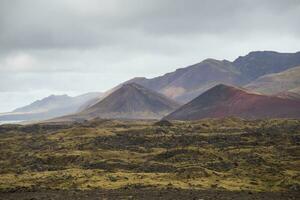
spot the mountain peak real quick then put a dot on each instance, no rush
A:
(136, 80)
(223, 86)
(53, 96)
(132, 85)
(132, 101)
(225, 101)
(223, 89)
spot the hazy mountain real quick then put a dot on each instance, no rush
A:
(186, 83)
(46, 104)
(49, 107)
(259, 63)
(131, 101)
(281, 82)
(224, 101)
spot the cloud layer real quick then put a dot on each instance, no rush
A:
(75, 46)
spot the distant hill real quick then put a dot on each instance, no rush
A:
(49, 107)
(282, 82)
(259, 63)
(224, 101)
(131, 101)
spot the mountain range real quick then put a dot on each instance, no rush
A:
(265, 72)
(185, 84)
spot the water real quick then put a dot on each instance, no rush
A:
(11, 122)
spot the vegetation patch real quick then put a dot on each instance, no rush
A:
(211, 154)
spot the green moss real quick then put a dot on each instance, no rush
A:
(230, 154)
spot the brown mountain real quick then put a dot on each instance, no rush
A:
(224, 101)
(131, 101)
(283, 83)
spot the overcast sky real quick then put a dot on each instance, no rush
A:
(77, 46)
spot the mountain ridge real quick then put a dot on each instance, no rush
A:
(186, 83)
(259, 63)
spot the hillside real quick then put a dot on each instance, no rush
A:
(131, 101)
(275, 83)
(224, 101)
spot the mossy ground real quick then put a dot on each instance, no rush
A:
(214, 154)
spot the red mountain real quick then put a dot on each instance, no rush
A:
(224, 101)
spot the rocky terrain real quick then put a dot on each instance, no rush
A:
(207, 159)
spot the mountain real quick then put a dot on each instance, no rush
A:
(224, 101)
(282, 82)
(45, 104)
(131, 101)
(259, 63)
(186, 83)
(49, 107)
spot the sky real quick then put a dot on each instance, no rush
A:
(77, 46)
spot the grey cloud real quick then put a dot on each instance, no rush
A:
(74, 46)
(86, 24)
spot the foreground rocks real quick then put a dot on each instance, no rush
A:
(147, 194)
